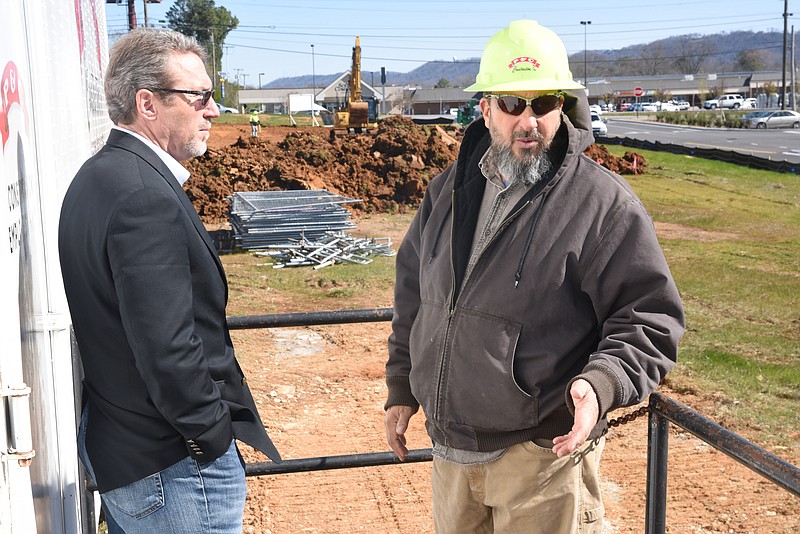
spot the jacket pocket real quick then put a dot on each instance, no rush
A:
(479, 387)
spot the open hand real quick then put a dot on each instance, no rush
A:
(587, 413)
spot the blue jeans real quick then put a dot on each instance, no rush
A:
(186, 497)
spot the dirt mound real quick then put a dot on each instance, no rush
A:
(388, 170)
(630, 163)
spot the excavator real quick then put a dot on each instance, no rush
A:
(354, 118)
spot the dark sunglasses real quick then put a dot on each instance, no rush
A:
(515, 105)
(206, 95)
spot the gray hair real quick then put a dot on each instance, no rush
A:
(140, 60)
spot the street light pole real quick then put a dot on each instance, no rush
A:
(585, 23)
(313, 75)
(260, 74)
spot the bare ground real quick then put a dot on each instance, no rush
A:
(320, 391)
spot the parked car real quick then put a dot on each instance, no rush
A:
(599, 127)
(724, 101)
(226, 109)
(680, 105)
(750, 103)
(753, 115)
(772, 119)
(650, 106)
(668, 106)
(595, 108)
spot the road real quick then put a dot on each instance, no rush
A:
(776, 145)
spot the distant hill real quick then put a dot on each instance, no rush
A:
(740, 51)
(459, 74)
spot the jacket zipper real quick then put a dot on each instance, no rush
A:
(445, 353)
(450, 311)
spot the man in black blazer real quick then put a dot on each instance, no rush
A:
(165, 397)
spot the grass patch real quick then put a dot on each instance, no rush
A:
(255, 287)
(266, 119)
(740, 282)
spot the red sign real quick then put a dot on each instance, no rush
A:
(638, 92)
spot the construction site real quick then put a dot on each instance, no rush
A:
(331, 378)
(320, 388)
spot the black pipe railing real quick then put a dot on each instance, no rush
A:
(310, 318)
(323, 463)
(664, 410)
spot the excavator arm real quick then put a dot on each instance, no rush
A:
(355, 116)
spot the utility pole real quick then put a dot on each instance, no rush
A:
(132, 15)
(794, 70)
(214, 71)
(313, 74)
(145, 12)
(383, 90)
(786, 16)
(244, 82)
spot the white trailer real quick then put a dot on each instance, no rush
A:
(52, 118)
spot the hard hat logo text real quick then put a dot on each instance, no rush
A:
(524, 63)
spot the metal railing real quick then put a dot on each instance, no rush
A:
(662, 411)
(323, 462)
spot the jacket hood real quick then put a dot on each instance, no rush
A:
(576, 108)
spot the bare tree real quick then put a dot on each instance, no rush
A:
(692, 51)
(653, 60)
(624, 66)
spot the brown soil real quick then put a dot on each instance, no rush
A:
(387, 170)
(320, 391)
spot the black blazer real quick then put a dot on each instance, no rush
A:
(147, 295)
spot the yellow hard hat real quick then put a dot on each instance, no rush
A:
(524, 57)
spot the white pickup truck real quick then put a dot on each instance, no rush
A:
(724, 101)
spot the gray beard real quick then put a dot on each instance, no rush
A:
(195, 148)
(527, 169)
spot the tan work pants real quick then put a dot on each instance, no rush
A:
(527, 490)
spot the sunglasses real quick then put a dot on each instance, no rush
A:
(205, 95)
(515, 105)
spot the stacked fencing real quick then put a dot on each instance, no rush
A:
(297, 228)
(264, 218)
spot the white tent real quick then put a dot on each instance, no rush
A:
(304, 102)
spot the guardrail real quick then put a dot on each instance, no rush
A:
(662, 410)
(728, 156)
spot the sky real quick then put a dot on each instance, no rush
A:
(281, 38)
